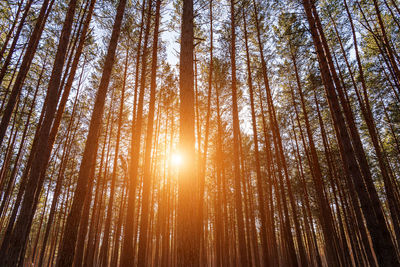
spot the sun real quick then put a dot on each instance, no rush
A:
(176, 159)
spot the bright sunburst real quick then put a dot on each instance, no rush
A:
(176, 159)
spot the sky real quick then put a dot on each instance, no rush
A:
(170, 37)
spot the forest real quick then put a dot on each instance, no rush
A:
(200, 133)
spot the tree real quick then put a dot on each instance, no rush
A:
(66, 255)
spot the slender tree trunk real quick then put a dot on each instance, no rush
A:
(10, 53)
(383, 245)
(260, 190)
(187, 232)
(11, 181)
(24, 68)
(22, 225)
(270, 173)
(128, 254)
(280, 158)
(105, 243)
(147, 177)
(11, 30)
(116, 249)
(57, 189)
(324, 208)
(368, 117)
(388, 47)
(206, 137)
(67, 249)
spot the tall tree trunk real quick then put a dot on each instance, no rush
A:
(368, 117)
(24, 68)
(128, 254)
(325, 214)
(147, 177)
(67, 249)
(187, 232)
(105, 243)
(11, 30)
(386, 43)
(13, 173)
(236, 156)
(280, 159)
(260, 189)
(24, 220)
(10, 53)
(57, 189)
(383, 245)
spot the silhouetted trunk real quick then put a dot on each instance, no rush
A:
(388, 47)
(325, 214)
(10, 51)
(11, 30)
(280, 160)
(260, 189)
(28, 206)
(57, 189)
(128, 254)
(105, 243)
(383, 245)
(147, 177)
(67, 248)
(24, 68)
(368, 117)
(235, 119)
(187, 247)
(11, 181)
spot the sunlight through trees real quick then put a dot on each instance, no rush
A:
(200, 133)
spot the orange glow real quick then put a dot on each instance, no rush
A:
(176, 159)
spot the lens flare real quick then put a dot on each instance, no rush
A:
(176, 159)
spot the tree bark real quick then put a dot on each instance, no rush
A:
(147, 177)
(383, 245)
(24, 68)
(67, 248)
(240, 228)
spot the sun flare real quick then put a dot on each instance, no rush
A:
(176, 159)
